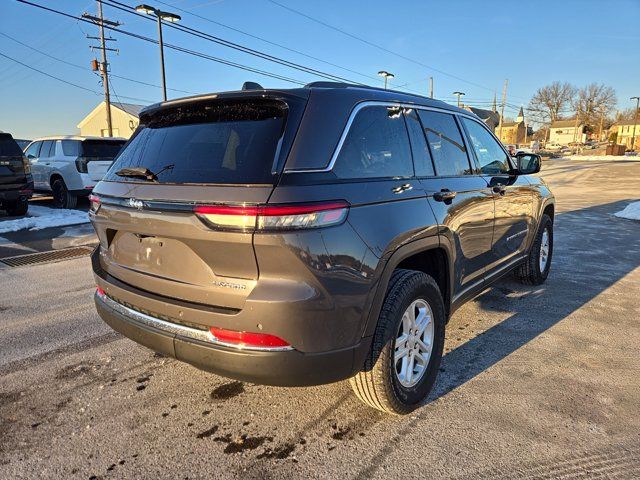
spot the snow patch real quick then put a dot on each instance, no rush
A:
(610, 158)
(631, 211)
(44, 217)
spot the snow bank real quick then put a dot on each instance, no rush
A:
(44, 217)
(631, 211)
(610, 158)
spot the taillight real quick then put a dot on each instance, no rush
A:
(26, 165)
(248, 339)
(94, 203)
(100, 292)
(81, 165)
(273, 217)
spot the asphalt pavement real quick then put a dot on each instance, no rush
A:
(536, 382)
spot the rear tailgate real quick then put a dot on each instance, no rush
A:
(97, 168)
(11, 161)
(211, 153)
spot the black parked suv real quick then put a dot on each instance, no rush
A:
(16, 183)
(305, 236)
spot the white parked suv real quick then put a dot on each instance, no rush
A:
(69, 167)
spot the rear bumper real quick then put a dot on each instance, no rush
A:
(16, 191)
(280, 368)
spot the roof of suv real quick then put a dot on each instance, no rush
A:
(80, 138)
(350, 92)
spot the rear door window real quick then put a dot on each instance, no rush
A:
(445, 141)
(100, 148)
(225, 142)
(376, 146)
(71, 148)
(421, 155)
(9, 147)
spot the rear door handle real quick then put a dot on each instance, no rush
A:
(444, 195)
(402, 188)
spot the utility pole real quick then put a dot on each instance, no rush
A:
(104, 70)
(430, 87)
(504, 101)
(635, 122)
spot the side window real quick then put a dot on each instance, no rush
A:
(421, 155)
(46, 147)
(491, 157)
(33, 151)
(376, 146)
(70, 148)
(447, 147)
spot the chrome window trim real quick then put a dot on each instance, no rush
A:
(143, 319)
(352, 116)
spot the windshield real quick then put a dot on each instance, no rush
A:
(232, 142)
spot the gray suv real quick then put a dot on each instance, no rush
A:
(305, 236)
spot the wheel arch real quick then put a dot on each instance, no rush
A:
(428, 255)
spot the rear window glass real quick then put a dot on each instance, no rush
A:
(8, 146)
(100, 148)
(219, 142)
(71, 148)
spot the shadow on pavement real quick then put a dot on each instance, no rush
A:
(592, 251)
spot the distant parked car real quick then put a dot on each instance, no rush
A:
(553, 146)
(69, 167)
(22, 143)
(16, 183)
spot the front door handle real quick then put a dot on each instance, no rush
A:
(444, 195)
(402, 188)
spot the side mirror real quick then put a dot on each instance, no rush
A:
(528, 163)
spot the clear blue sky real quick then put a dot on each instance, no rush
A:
(531, 43)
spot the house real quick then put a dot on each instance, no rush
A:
(564, 132)
(124, 120)
(489, 117)
(626, 131)
(514, 133)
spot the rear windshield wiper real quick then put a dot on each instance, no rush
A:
(142, 172)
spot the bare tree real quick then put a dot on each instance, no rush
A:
(627, 115)
(594, 103)
(549, 102)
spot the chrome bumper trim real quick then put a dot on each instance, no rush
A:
(177, 329)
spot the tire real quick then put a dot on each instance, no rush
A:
(63, 198)
(531, 272)
(379, 384)
(17, 208)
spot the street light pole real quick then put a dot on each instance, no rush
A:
(164, 81)
(160, 15)
(386, 76)
(635, 122)
(459, 94)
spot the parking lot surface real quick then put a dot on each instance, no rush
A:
(536, 382)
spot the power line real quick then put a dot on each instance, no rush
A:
(49, 75)
(262, 39)
(174, 47)
(80, 67)
(375, 45)
(235, 46)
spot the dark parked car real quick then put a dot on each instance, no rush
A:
(305, 236)
(16, 183)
